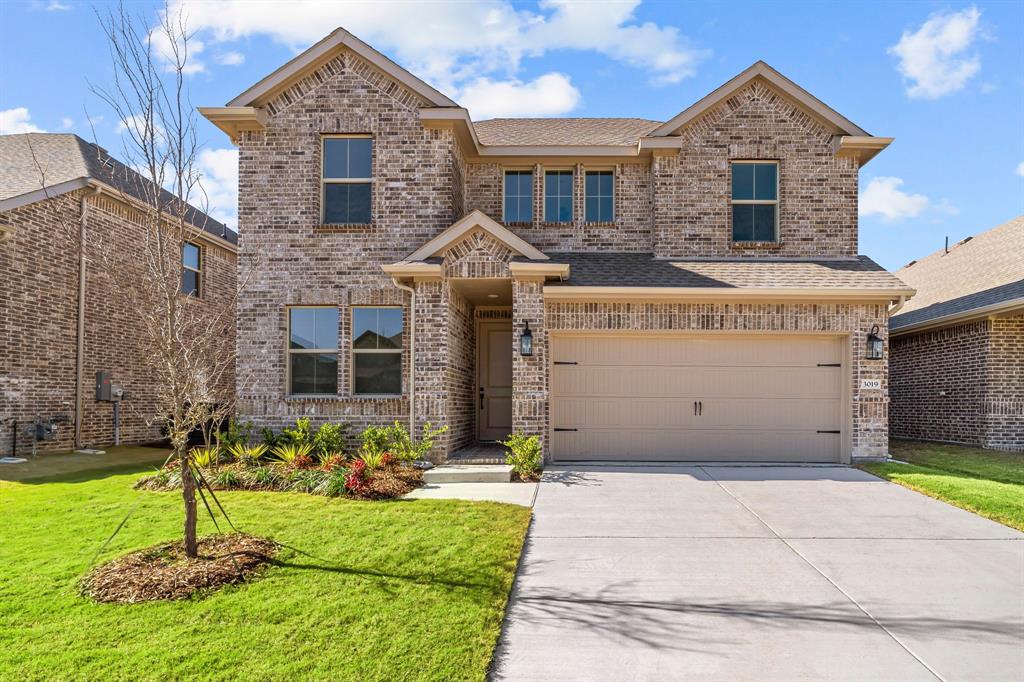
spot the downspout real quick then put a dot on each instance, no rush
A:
(896, 308)
(80, 331)
(412, 355)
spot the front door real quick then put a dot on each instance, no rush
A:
(494, 379)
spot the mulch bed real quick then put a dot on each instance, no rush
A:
(164, 573)
(391, 482)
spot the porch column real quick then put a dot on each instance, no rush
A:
(530, 373)
(431, 361)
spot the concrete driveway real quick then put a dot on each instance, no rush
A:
(759, 573)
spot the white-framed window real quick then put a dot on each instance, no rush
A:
(312, 350)
(377, 350)
(518, 203)
(599, 197)
(755, 201)
(558, 185)
(346, 179)
(191, 269)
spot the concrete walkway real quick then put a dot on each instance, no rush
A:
(759, 573)
(522, 494)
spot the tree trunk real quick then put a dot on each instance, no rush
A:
(188, 492)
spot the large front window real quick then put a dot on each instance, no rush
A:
(518, 196)
(312, 350)
(347, 179)
(599, 203)
(755, 201)
(558, 196)
(377, 351)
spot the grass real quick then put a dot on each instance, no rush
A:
(985, 482)
(411, 590)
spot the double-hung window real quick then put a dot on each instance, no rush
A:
(599, 203)
(191, 269)
(312, 350)
(755, 201)
(558, 196)
(377, 351)
(347, 179)
(518, 196)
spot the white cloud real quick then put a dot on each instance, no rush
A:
(67, 123)
(231, 58)
(934, 59)
(138, 126)
(549, 95)
(1020, 169)
(218, 178)
(188, 51)
(17, 120)
(57, 6)
(455, 45)
(883, 197)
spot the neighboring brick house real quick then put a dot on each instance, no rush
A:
(52, 187)
(958, 346)
(691, 288)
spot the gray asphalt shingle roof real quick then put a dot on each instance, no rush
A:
(984, 270)
(563, 131)
(31, 161)
(644, 270)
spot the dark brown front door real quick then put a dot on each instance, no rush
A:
(494, 380)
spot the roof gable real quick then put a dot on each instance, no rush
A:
(760, 70)
(322, 52)
(465, 227)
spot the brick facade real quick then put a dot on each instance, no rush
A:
(39, 269)
(671, 205)
(961, 384)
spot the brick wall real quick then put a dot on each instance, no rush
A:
(817, 190)
(1004, 400)
(38, 337)
(529, 373)
(461, 354)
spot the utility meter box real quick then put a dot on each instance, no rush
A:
(103, 386)
(46, 430)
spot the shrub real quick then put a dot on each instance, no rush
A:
(524, 454)
(334, 483)
(204, 458)
(290, 452)
(401, 445)
(237, 433)
(330, 438)
(247, 454)
(306, 480)
(270, 439)
(227, 479)
(375, 439)
(372, 460)
(302, 434)
(262, 477)
(335, 461)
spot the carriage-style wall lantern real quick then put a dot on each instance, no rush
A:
(874, 345)
(526, 341)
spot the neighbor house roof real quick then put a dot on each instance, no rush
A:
(37, 166)
(979, 276)
(642, 271)
(563, 131)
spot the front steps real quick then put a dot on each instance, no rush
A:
(468, 473)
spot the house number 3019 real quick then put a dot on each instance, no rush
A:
(871, 384)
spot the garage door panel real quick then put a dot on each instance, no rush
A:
(710, 350)
(761, 398)
(694, 381)
(696, 445)
(647, 412)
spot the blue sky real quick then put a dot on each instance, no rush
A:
(945, 79)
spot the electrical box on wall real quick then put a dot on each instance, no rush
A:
(106, 390)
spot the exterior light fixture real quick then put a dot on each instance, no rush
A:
(874, 345)
(526, 340)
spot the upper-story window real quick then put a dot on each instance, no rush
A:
(755, 201)
(377, 351)
(518, 196)
(347, 179)
(191, 269)
(599, 204)
(313, 350)
(558, 196)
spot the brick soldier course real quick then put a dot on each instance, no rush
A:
(432, 166)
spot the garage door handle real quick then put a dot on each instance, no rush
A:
(829, 364)
(565, 362)
(694, 408)
(558, 429)
(700, 408)
(829, 431)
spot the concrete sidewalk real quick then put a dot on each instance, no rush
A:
(766, 573)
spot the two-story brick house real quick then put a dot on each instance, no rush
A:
(626, 289)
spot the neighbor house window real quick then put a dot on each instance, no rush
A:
(377, 351)
(312, 350)
(558, 196)
(191, 268)
(518, 196)
(600, 200)
(755, 201)
(347, 179)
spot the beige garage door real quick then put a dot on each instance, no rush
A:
(694, 398)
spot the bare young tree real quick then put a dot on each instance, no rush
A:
(189, 342)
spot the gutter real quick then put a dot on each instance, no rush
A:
(1002, 308)
(80, 331)
(412, 354)
(899, 304)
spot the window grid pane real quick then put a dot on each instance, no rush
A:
(518, 196)
(347, 158)
(599, 202)
(558, 196)
(756, 186)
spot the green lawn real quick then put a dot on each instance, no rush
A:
(410, 590)
(985, 482)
